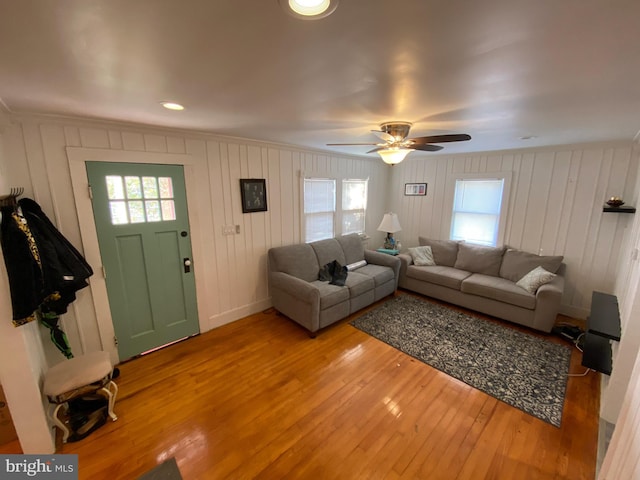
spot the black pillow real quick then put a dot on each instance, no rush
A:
(339, 276)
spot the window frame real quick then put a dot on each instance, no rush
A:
(504, 205)
(338, 212)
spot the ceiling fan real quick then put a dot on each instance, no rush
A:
(397, 146)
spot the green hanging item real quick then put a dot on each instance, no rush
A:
(58, 337)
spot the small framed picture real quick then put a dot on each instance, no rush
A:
(415, 189)
(254, 195)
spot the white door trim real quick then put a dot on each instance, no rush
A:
(77, 157)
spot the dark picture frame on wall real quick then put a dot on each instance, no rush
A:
(415, 189)
(254, 195)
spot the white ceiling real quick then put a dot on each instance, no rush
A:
(564, 71)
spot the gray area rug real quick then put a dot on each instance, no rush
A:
(519, 369)
(165, 471)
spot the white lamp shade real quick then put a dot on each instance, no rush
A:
(391, 156)
(390, 223)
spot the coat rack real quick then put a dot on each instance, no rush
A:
(10, 200)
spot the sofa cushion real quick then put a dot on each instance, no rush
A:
(331, 295)
(327, 251)
(444, 251)
(422, 255)
(298, 260)
(535, 279)
(379, 273)
(498, 288)
(479, 259)
(438, 274)
(359, 283)
(352, 247)
(516, 264)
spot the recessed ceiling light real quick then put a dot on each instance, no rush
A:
(309, 9)
(172, 106)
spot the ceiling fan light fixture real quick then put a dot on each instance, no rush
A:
(394, 155)
(309, 9)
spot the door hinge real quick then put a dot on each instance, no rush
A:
(104, 272)
(115, 340)
(90, 192)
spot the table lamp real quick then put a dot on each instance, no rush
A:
(391, 225)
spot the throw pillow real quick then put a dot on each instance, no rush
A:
(479, 259)
(422, 256)
(339, 276)
(516, 264)
(535, 279)
(356, 265)
(444, 251)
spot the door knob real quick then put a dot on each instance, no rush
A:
(187, 265)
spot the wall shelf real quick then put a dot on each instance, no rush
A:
(603, 325)
(622, 209)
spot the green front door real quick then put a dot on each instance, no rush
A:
(141, 219)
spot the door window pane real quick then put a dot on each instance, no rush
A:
(136, 211)
(152, 207)
(115, 189)
(168, 210)
(150, 187)
(118, 212)
(134, 189)
(166, 187)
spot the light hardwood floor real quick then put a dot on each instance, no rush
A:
(259, 399)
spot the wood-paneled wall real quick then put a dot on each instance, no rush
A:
(231, 271)
(555, 206)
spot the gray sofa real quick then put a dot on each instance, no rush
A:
(484, 279)
(297, 292)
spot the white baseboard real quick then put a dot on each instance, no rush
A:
(238, 313)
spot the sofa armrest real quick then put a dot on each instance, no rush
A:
(301, 288)
(548, 300)
(405, 261)
(378, 258)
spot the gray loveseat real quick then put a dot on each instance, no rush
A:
(484, 279)
(297, 292)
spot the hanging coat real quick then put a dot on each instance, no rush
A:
(41, 263)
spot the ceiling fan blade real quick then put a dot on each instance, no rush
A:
(378, 149)
(384, 135)
(456, 137)
(425, 147)
(343, 144)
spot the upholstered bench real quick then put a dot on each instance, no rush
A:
(76, 377)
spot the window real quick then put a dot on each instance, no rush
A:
(476, 210)
(319, 208)
(354, 205)
(331, 211)
(140, 199)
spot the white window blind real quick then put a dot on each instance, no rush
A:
(476, 210)
(354, 205)
(319, 208)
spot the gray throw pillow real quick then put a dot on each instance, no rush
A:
(422, 256)
(535, 279)
(444, 251)
(479, 259)
(516, 264)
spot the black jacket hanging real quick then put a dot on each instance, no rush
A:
(41, 263)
